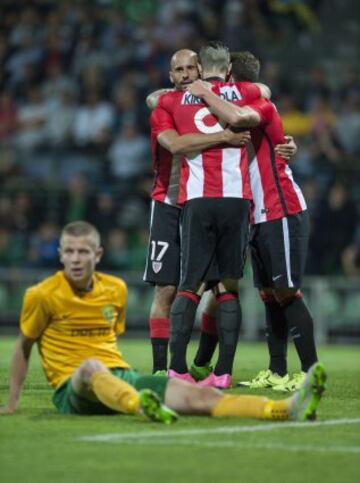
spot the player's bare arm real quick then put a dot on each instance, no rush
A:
(18, 371)
(235, 115)
(153, 98)
(189, 143)
(287, 150)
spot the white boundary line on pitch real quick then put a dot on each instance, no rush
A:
(123, 437)
(243, 445)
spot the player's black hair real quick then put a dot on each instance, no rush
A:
(245, 66)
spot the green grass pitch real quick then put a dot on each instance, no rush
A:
(37, 445)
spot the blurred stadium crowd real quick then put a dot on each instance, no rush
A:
(74, 133)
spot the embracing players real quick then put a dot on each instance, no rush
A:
(279, 231)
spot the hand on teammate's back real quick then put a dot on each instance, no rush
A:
(287, 150)
(239, 138)
(199, 88)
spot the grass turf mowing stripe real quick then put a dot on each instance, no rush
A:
(115, 437)
(174, 441)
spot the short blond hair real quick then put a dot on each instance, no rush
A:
(214, 55)
(81, 228)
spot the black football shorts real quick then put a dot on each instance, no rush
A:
(163, 258)
(278, 251)
(214, 235)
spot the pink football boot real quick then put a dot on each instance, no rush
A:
(221, 382)
(185, 376)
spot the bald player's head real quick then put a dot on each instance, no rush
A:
(181, 55)
(183, 68)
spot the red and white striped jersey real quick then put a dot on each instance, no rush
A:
(221, 171)
(275, 193)
(166, 166)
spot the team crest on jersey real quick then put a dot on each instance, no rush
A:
(108, 312)
(157, 266)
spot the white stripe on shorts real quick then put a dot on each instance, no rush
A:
(287, 251)
(151, 222)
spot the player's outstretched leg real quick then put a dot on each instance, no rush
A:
(305, 401)
(152, 407)
(195, 399)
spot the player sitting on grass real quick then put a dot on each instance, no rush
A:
(74, 317)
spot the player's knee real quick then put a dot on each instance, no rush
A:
(164, 297)
(88, 367)
(286, 296)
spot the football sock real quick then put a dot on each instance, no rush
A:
(229, 321)
(182, 318)
(208, 340)
(115, 393)
(159, 353)
(276, 336)
(277, 409)
(159, 335)
(258, 407)
(302, 331)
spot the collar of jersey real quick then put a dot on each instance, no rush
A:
(215, 78)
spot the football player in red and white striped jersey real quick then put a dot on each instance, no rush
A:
(163, 260)
(279, 233)
(214, 185)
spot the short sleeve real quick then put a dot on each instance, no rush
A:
(264, 108)
(161, 120)
(166, 101)
(249, 91)
(121, 319)
(34, 316)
